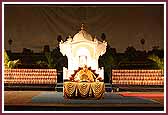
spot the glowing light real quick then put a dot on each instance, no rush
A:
(30, 76)
(138, 77)
(82, 50)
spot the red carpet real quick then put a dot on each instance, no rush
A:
(159, 95)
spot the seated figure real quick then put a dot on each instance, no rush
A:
(85, 75)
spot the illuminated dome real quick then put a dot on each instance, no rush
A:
(81, 50)
(82, 35)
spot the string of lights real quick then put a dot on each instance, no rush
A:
(138, 77)
(30, 76)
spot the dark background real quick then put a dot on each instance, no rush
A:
(33, 26)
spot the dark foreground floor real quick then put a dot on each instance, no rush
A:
(54, 101)
(52, 108)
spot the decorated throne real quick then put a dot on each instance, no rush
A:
(85, 74)
(84, 83)
(83, 78)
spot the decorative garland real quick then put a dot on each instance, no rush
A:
(69, 88)
(98, 89)
(83, 89)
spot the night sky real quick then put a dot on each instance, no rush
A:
(33, 26)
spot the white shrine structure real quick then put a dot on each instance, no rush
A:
(81, 50)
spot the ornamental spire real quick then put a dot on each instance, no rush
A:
(82, 27)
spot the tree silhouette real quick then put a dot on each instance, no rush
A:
(130, 53)
(10, 43)
(142, 43)
(159, 61)
(6, 59)
(59, 38)
(103, 36)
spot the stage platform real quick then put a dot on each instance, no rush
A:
(54, 101)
